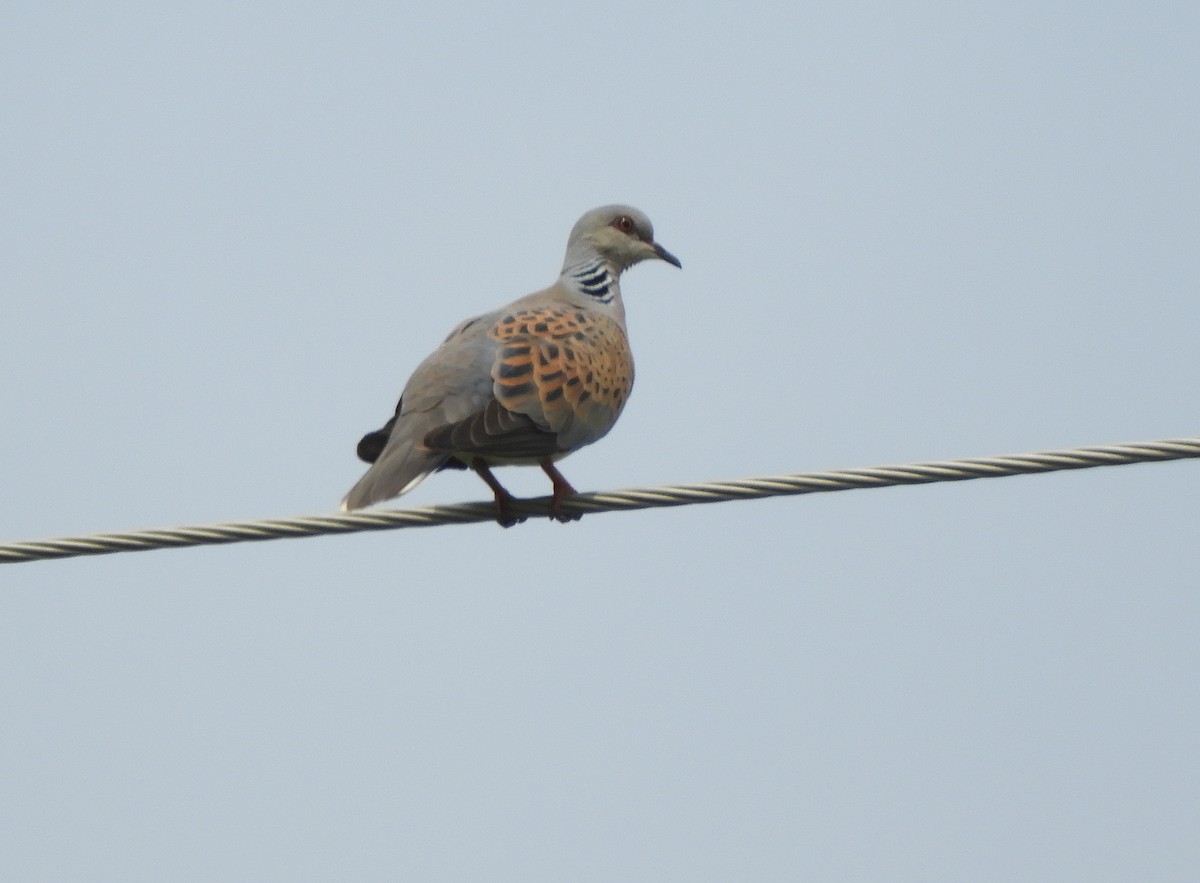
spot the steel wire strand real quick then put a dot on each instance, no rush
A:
(610, 501)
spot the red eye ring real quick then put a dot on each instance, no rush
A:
(625, 224)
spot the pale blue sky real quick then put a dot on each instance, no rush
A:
(919, 231)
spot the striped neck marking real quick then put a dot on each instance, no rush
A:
(593, 279)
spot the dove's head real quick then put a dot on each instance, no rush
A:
(618, 234)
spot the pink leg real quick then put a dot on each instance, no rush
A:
(562, 488)
(504, 500)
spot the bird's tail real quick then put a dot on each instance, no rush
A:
(400, 468)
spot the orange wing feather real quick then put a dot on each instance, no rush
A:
(560, 378)
(569, 370)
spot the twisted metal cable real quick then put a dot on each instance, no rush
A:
(612, 501)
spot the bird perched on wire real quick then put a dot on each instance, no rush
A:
(526, 384)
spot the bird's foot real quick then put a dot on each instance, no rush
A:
(562, 490)
(556, 507)
(505, 516)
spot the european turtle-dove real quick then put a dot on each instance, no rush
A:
(526, 384)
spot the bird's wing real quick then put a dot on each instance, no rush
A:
(560, 377)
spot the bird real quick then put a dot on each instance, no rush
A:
(526, 384)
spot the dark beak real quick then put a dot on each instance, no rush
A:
(666, 255)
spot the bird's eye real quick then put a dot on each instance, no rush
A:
(625, 224)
